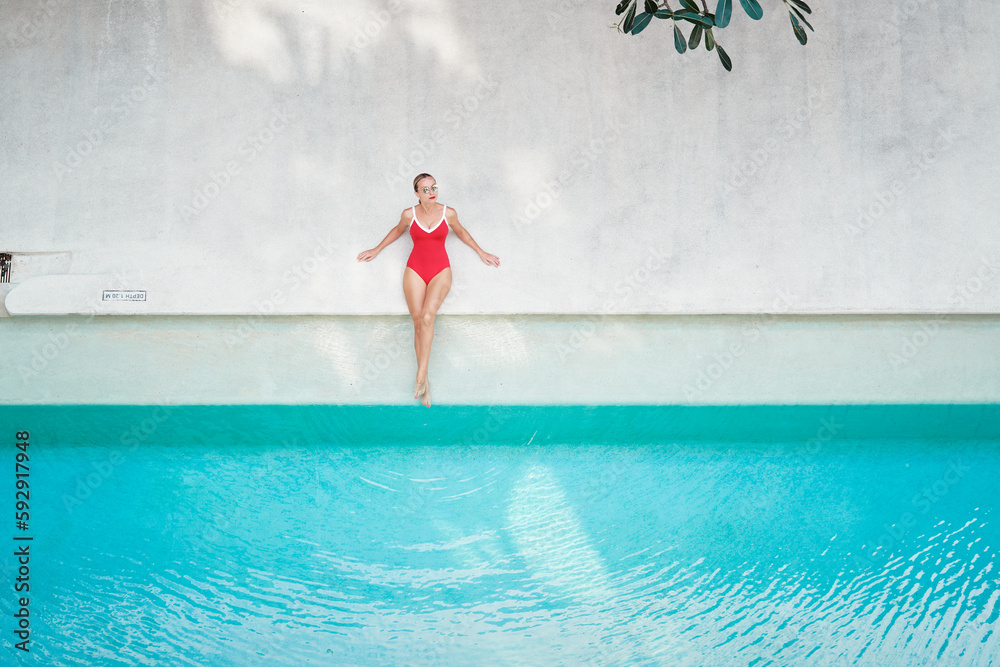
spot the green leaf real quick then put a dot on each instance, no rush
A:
(629, 18)
(621, 7)
(724, 57)
(752, 8)
(803, 6)
(650, 7)
(709, 39)
(695, 38)
(800, 33)
(723, 12)
(802, 18)
(685, 15)
(664, 14)
(641, 21)
(690, 4)
(679, 42)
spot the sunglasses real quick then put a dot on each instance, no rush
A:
(433, 188)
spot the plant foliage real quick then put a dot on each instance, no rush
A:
(704, 22)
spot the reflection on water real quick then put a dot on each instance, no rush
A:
(873, 553)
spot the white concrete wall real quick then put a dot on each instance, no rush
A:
(221, 154)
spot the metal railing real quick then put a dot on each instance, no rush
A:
(5, 261)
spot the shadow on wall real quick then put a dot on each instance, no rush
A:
(327, 137)
(292, 42)
(376, 92)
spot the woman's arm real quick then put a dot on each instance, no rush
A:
(461, 232)
(394, 233)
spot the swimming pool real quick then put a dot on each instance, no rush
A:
(372, 535)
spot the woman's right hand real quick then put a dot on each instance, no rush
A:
(368, 255)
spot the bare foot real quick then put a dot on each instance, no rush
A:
(419, 389)
(425, 398)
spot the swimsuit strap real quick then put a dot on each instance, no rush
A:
(413, 211)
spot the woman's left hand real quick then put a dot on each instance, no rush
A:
(489, 259)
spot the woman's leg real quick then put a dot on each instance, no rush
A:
(414, 291)
(437, 290)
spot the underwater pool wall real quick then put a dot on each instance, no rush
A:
(503, 360)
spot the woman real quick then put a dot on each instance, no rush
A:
(427, 276)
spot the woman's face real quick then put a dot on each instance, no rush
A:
(427, 190)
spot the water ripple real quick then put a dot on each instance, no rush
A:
(387, 556)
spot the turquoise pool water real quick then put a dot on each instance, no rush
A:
(270, 535)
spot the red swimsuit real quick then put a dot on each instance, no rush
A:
(428, 257)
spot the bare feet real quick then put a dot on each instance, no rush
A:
(425, 398)
(419, 388)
